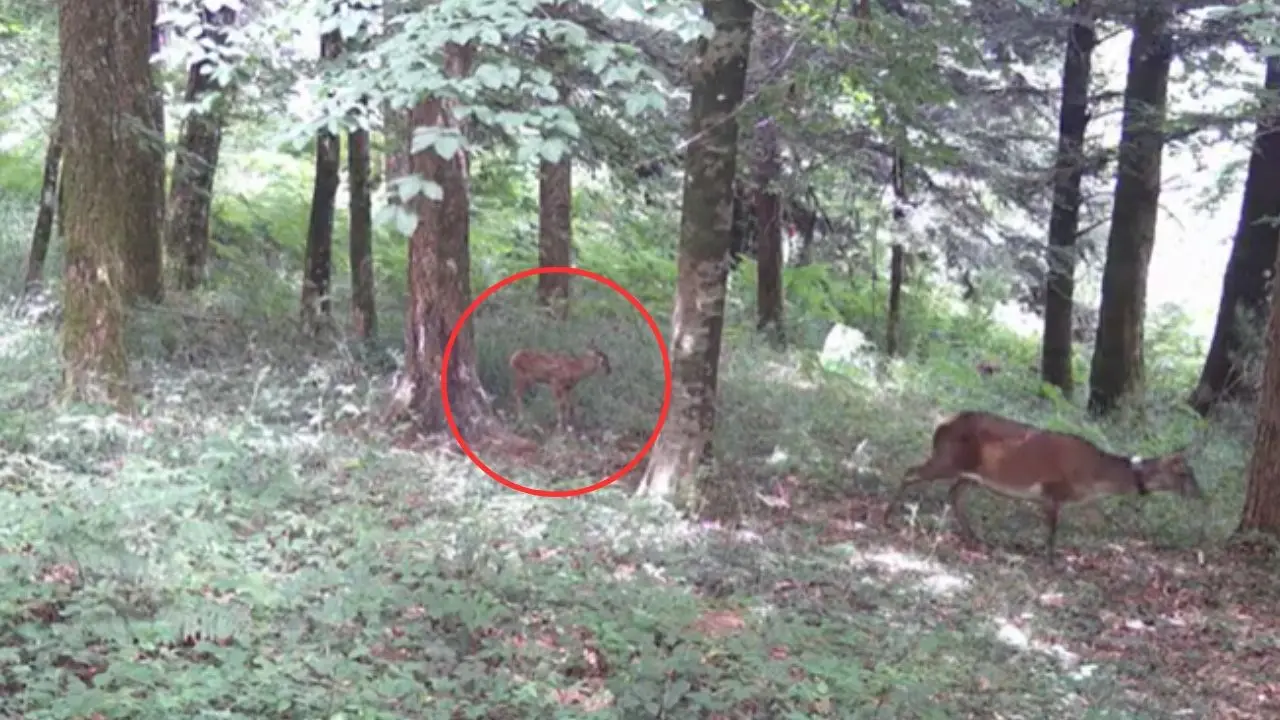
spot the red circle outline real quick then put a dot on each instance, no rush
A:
(453, 339)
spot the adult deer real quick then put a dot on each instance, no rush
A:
(559, 371)
(1052, 469)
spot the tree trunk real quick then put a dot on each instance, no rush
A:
(1117, 367)
(555, 232)
(195, 163)
(1064, 222)
(440, 281)
(318, 264)
(718, 79)
(768, 211)
(106, 97)
(48, 205)
(555, 205)
(1262, 495)
(142, 253)
(364, 317)
(1253, 256)
(897, 275)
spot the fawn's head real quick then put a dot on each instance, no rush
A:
(1170, 473)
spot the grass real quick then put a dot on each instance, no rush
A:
(253, 544)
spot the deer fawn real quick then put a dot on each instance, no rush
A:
(1050, 468)
(560, 371)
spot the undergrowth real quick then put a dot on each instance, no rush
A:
(253, 544)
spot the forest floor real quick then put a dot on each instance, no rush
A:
(231, 549)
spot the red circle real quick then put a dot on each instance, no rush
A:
(453, 338)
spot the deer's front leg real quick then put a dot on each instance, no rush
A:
(562, 405)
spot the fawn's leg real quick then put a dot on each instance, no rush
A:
(562, 402)
(519, 390)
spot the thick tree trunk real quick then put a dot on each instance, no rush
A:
(1064, 223)
(43, 231)
(142, 252)
(440, 282)
(364, 317)
(106, 97)
(768, 212)
(1253, 257)
(195, 163)
(1117, 367)
(1262, 495)
(718, 79)
(897, 275)
(318, 264)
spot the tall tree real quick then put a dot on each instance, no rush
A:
(106, 96)
(143, 254)
(195, 162)
(897, 257)
(768, 225)
(555, 206)
(1117, 368)
(43, 231)
(1262, 494)
(1064, 221)
(718, 77)
(1253, 254)
(440, 272)
(364, 315)
(318, 263)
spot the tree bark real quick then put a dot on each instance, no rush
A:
(718, 80)
(555, 232)
(106, 98)
(768, 212)
(1064, 223)
(364, 317)
(440, 281)
(1262, 494)
(142, 252)
(1117, 369)
(195, 163)
(318, 264)
(555, 208)
(43, 231)
(897, 275)
(1250, 267)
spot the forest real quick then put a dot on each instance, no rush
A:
(639, 359)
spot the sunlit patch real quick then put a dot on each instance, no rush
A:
(937, 579)
(1016, 637)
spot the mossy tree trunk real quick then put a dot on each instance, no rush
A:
(1116, 371)
(1262, 494)
(1253, 255)
(195, 162)
(106, 97)
(1064, 221)
(718, 79)
(318, 261)
(555, 205)
(768, 216)
(43, 231)
(364, 316)
(440, 280)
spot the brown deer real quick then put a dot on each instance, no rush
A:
(1050, 468)
(560, 371)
